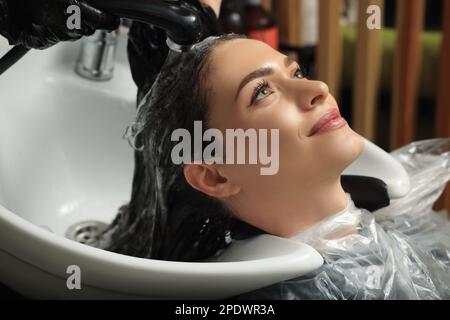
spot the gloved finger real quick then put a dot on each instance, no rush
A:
(42, 37)
(98, 19)
(77, 34)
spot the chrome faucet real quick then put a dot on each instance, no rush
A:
(185, 24)
(96, 57)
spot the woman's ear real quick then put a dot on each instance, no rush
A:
(207, 179)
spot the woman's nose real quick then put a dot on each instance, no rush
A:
(309, 94)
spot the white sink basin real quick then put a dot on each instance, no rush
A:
(62, 154)
(62, 161)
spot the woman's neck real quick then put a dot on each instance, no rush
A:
(312, 205)
(287, 211)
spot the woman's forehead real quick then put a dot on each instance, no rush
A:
(243, 55)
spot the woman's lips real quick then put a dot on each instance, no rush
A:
(330, 121)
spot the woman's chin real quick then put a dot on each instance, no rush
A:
(353, 143)
(343, 146)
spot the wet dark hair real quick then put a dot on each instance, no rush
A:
(166, 218)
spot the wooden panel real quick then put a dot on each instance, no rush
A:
(367, 73)
(443, 96)
(289, 13)
(410, 18)
(267, 4)
(329, 54)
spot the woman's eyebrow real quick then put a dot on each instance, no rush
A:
(262, 72)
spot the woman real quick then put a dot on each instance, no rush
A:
(221, 95)
(193, 210)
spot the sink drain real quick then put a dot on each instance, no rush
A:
(86, 232)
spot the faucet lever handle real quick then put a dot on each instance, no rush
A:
(96, 58)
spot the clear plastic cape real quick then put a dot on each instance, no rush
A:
(399, 252)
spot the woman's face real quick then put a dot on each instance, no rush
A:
(277, 97)
(253, 86)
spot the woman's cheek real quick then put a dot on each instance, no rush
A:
(274, 112)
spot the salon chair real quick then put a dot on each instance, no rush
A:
(375, 179)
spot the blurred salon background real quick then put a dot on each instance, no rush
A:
(392, 83)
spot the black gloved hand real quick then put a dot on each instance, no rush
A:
(40, 24)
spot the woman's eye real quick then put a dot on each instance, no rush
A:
(261, 91)
(262, 94)
(300, 74)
